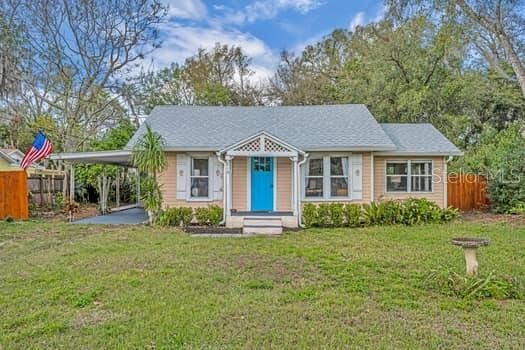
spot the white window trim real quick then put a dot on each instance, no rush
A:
(305, 177)
(348, 176)
(327, 176)
(209, 198)
(409, 175)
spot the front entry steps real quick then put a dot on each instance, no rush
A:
(263, 225)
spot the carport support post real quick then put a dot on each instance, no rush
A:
(138, 187)
(117, 189)
(71, 184)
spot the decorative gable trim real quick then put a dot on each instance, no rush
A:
(264, 145)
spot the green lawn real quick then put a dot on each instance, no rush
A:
(67, 286)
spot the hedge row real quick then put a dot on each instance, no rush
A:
(390, 212)
(184, 216)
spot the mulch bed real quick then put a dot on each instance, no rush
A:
(487, 217)
(60, 215)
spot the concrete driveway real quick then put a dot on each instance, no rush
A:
(133, 216)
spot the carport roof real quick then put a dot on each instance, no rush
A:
(122, 158)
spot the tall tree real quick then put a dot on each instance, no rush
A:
(77, 55)
(311, 77)
(215, 76)
(500, 25)
(9, 57)
(493, 27)
(400, 71)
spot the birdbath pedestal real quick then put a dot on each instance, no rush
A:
(470, 245)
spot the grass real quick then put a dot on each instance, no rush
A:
(67, 286)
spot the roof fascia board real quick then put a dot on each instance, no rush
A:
(89, 154)
(406, 153)
(357, 148)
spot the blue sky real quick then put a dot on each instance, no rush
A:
(262, 28)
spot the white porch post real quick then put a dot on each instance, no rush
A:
(228, 189)
(295, 190)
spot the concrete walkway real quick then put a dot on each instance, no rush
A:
(133, 216)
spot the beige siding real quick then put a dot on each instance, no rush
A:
(168, 181)
(239, 183)
(284, 184)
(4, 164)
(366, 176)
(438, 190)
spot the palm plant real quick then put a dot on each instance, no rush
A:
(148, 157)
(148, 153)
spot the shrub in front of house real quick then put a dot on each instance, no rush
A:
(337, 214)
(353, 214)
(175, 216)
(215, 215)
(382, 213)
(211, 215)
(202, 215)
(184, 216)
(168, 217)
(419, 211)
(324, 215)
(408, 212)
(310, 215)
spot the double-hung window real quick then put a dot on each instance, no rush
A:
(409, 176)
(339, 177)
(421, 176)
(327, 177)
(314, 178)
(200, 179)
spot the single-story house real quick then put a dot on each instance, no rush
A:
(10, 158)
(269, 161)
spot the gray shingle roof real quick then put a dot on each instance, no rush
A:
(419, 138)
(327, 127)
(309, 128)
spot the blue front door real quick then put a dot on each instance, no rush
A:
(262, 183)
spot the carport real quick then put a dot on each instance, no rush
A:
(119, 158)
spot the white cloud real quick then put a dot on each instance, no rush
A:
(187, 9)
(266, 9)
(360, 19)
(357, 21)
(182, 42)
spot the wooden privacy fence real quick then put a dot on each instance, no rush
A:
(467, 192)
(13, 194)
(44, 188)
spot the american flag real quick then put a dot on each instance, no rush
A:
(40, 148)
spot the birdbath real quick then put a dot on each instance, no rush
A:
(470, 245)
